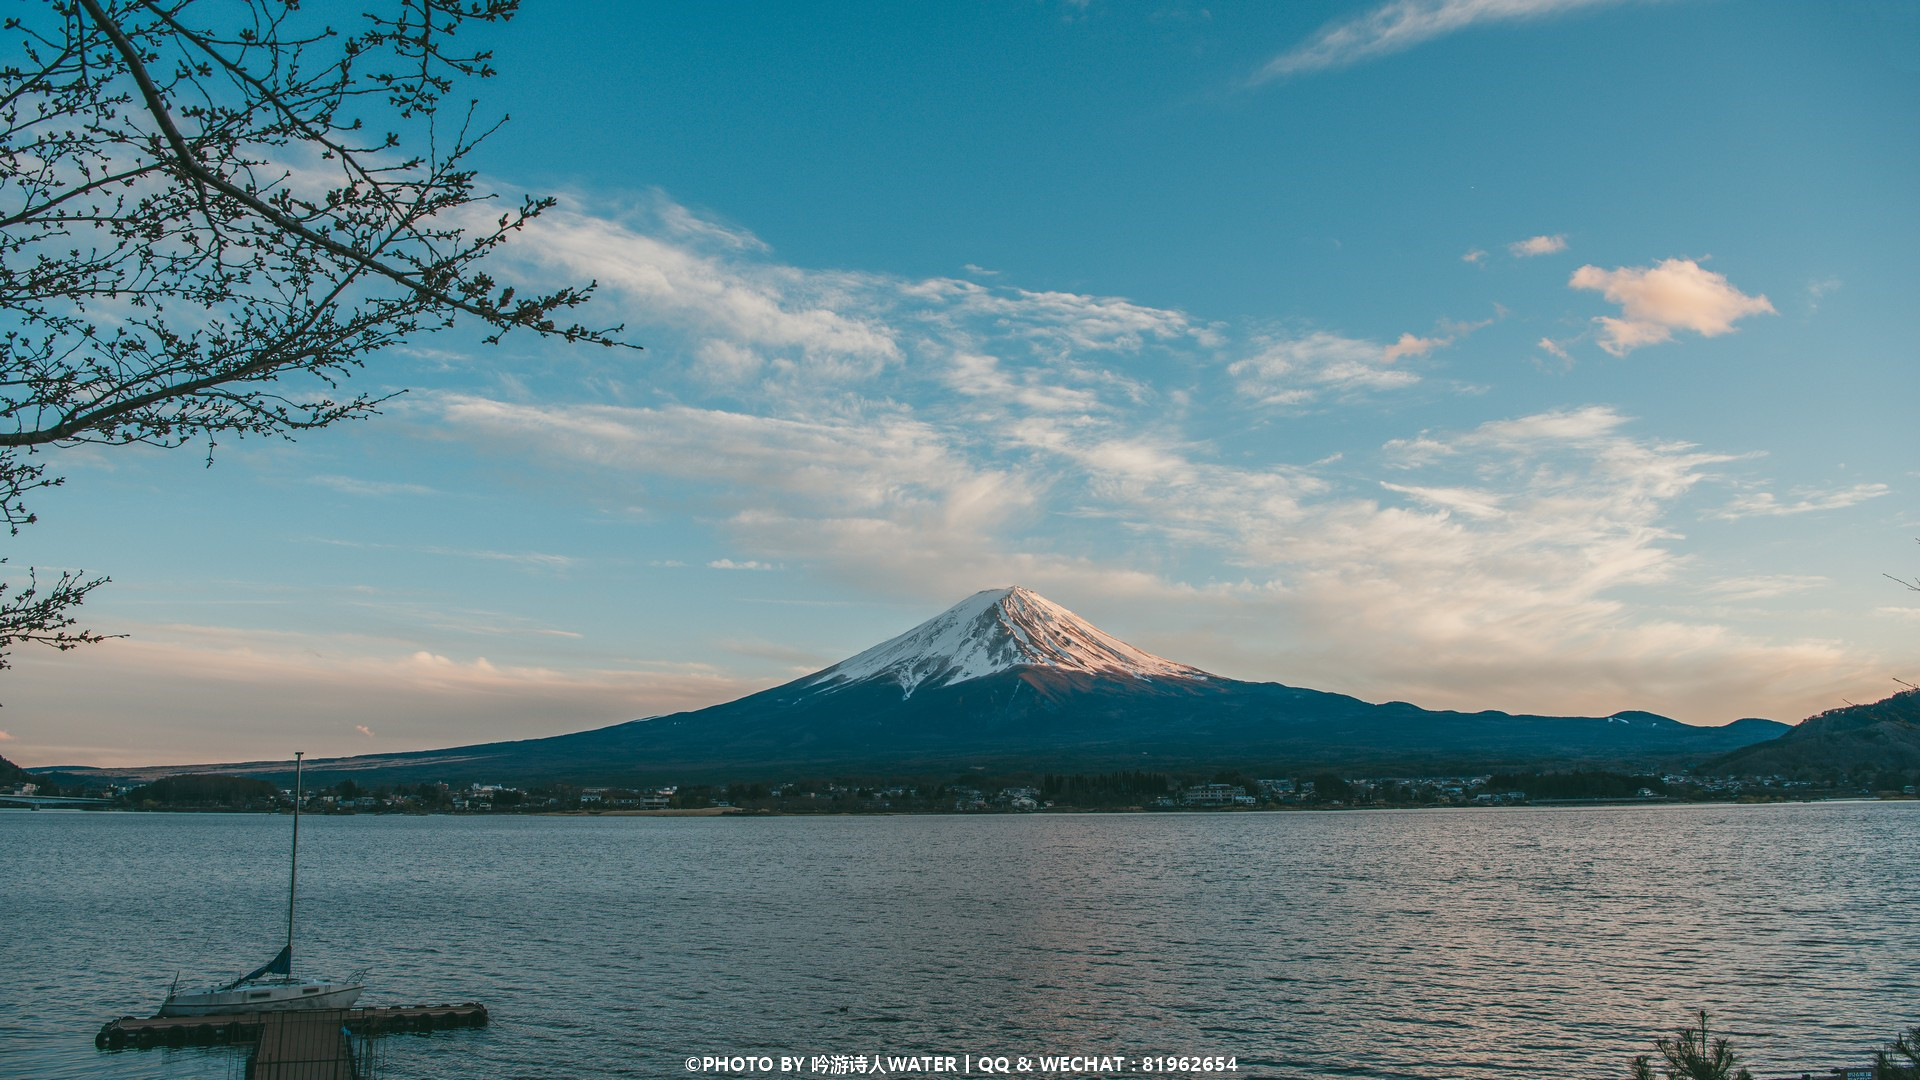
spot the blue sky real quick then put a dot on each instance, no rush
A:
(1524, 354)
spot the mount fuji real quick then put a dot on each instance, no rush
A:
(1008, 679)
(996, 631)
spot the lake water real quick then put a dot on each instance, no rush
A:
(1445, 944)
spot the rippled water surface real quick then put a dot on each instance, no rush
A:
(1446, 944)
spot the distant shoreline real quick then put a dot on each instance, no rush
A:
(692, 811)
(760, 812)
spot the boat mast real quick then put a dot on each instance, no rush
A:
(293, 873)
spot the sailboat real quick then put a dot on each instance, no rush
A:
(271, 987)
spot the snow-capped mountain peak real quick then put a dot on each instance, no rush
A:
(993, 631)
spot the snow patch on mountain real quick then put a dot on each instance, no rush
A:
(993, 631)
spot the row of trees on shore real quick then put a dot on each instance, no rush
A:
(1134, 789)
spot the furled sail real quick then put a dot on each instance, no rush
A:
(279, 965)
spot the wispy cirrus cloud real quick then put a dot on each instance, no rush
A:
(544, 560)
(1675, 294)
(348, 485)
(753, 325)
(1819, 289)
(854, 465)
(1297, 370)
(1401, 25)
(694, 279)
(1800, 501)
(1092, 323)
(540, 560)
(683, 223)
(1765, 586)
(1300, 369)
(462, 621)
(980, 375)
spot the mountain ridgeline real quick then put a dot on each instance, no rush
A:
(1006, 679)
(1883, 736)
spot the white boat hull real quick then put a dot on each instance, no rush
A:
(262, 997)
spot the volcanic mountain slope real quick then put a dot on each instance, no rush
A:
(1009, 679)
(1883, 736)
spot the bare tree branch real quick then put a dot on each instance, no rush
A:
(1913, 584)
(213, 213)
(44, 615)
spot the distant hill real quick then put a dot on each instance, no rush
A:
(1008, 680)
(1883, 737)
(74, 781)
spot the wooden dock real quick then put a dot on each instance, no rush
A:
(304, 1044)
(130, 1032)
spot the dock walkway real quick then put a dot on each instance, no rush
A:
(304, 1044)
(131, 1032)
